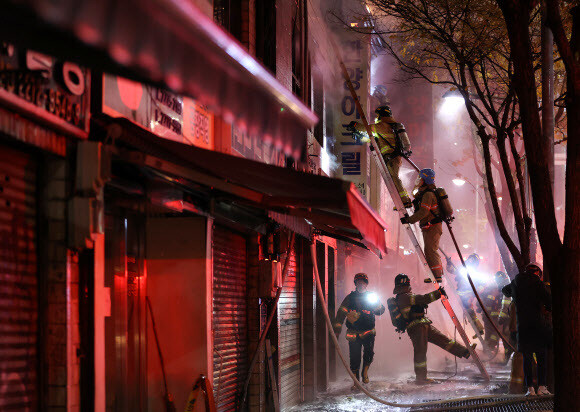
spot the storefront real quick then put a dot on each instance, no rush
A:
(43, 114)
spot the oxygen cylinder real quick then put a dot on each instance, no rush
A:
(445, 208)
(403, 137)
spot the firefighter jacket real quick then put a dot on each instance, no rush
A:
(364, 325)
(385, 135)
(504, 309)
(413, 306)
(531, 298)
(426, 208)
(491, 297)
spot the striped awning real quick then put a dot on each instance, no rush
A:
(170, 44)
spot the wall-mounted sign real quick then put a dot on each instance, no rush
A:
(167, 115)
(351, 154)
(60, 88)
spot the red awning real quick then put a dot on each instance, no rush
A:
(331, 205)
(168, 43)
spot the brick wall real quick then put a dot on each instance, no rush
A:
(60, 306)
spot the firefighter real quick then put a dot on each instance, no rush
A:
(428, 215)
(503, 316)
(359, 308)
(419, 327)
(393, 143)
(491, 297)
(464, 290)
(534, 334)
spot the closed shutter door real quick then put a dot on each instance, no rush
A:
(289, 317)
(229, 317)
(18, 282)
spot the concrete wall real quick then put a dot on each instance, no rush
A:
(179, 288)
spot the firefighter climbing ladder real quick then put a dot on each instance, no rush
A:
(403, 212)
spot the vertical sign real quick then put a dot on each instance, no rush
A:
(352, 155)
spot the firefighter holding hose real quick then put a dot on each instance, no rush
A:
(359, 308)
(393, 143)
(464, 288)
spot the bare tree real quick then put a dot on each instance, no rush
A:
(561, 258)
(462, 44)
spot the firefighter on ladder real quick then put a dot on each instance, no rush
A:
(464, 290)
(359, 308)
(393, 143)
(428, 214)
(411, 308)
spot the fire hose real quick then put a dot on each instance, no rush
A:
(268, 322)
(334, 339)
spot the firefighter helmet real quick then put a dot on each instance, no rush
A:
(428, 176)
(402, 284)
(384, 111)
(534, 268)
(361, 276)
(501, 278)
(473, 260)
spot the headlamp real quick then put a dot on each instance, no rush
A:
(372, 298)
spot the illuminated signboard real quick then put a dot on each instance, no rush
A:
(167, 115)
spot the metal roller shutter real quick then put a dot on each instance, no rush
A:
(289, 318)
(18, 282)
(229, 317)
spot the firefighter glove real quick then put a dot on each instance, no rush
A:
(351, 127)
(442, 291)
(352, 316)
(405, 220)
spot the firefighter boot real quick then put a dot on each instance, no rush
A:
(356, 374)
(365, 373)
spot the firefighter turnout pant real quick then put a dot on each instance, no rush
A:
(423, 333)
(466, 297)
(393, 166)
(358, 342)
(431, 237)
(491, 338)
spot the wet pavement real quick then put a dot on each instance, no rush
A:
(402, 389)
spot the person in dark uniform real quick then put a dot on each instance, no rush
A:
(359, 309)
(534, 335)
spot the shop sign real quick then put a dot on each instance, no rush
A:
(351, 154)
(253, 147)
(167, 115)
(32, 79)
